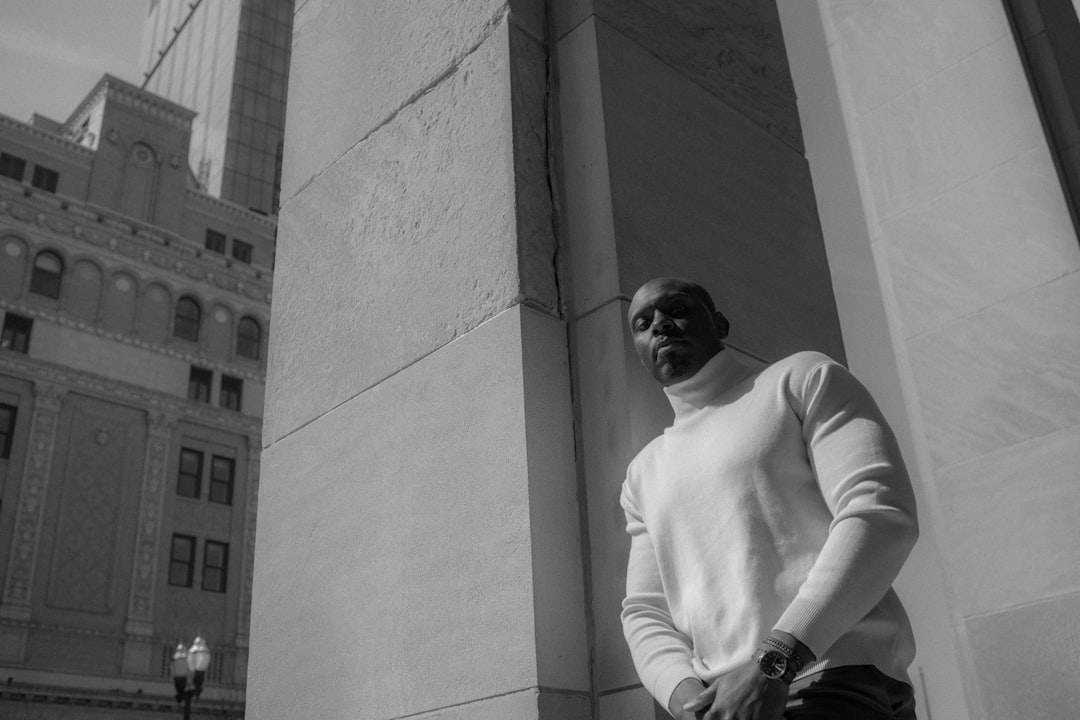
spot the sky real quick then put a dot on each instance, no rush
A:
(52, 52)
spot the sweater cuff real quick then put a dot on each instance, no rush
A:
(799, 621)
(663, 687)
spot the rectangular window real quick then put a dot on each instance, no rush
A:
(16, 334)
(7, 429)
(241, 250)
(221, 479)
(232, 391)
(45, 179)
(189, 476)
(182, 560)
(215, 565)
(198, 388)
(215, 241)
(12, 167)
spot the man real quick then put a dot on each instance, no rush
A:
(767, 525)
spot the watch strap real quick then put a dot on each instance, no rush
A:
(795, 654)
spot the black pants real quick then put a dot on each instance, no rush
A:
(852, 692)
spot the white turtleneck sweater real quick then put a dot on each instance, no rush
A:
(776, 499)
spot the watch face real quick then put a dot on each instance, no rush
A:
(772, 664)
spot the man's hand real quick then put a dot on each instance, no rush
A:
(744, 694)
(685, 692)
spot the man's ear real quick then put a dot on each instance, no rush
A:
(722, 324)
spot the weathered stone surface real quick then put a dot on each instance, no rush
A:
(356, 64)
(949, 129)
(701, 191)
(732, 49)
(929, 34)
(566, 15)
(1025, 659)
(989, 516)
(394, 556)
(938, 252)
(403, 244)
(562, 647)
(530, 16)
(1002, 376)
(976, 259)
(586, 221)
(532, 180)
(633, 704)
(622, 409)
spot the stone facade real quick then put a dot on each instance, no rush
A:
(96, 372)
(471, 192)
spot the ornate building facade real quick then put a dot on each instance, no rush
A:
(135, 311)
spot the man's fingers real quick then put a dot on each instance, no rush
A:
(701, 701)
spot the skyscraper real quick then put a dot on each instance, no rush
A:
(229, 62)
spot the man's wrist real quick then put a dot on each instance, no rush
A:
(804, 654)
(781, 656)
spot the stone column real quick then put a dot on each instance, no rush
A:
(29, 515)
(247, 569)
(139, 647)
(680, 155)
(464, 219)
(418, 546)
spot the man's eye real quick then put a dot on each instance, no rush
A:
(679, 310)
(641, 324)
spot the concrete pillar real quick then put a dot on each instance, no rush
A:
(680, 155)
(472, 191)
(938, 191)
(247, 569)
(418, 549)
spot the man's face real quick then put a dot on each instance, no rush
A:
(675, 333)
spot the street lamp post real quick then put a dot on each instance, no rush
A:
(188, 668)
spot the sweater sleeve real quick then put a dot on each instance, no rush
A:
(660, 652)
(864, 483)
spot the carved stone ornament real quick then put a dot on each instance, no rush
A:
(148, 532)
(46, 374)
(30, 510)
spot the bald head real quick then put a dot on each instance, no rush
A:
(675, 327)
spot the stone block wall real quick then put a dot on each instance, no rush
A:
(419, 546)
(472, 191)
(966, 239)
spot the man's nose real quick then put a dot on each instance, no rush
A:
(662, 322)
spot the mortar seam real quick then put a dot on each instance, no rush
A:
(492, 25)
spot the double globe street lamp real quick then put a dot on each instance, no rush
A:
(188, 669)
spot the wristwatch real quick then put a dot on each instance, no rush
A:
(777, 660)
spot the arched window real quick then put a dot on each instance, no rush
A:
(248, 338)
(48, 272)
(186, 321)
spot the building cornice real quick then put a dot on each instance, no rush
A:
(39, 134)
(59, 318)
(134, 243)
(138, 397)
(267, 221)
(131, 96)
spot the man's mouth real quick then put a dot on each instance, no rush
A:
(666, 343)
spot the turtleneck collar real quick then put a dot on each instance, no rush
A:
(722, 371)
